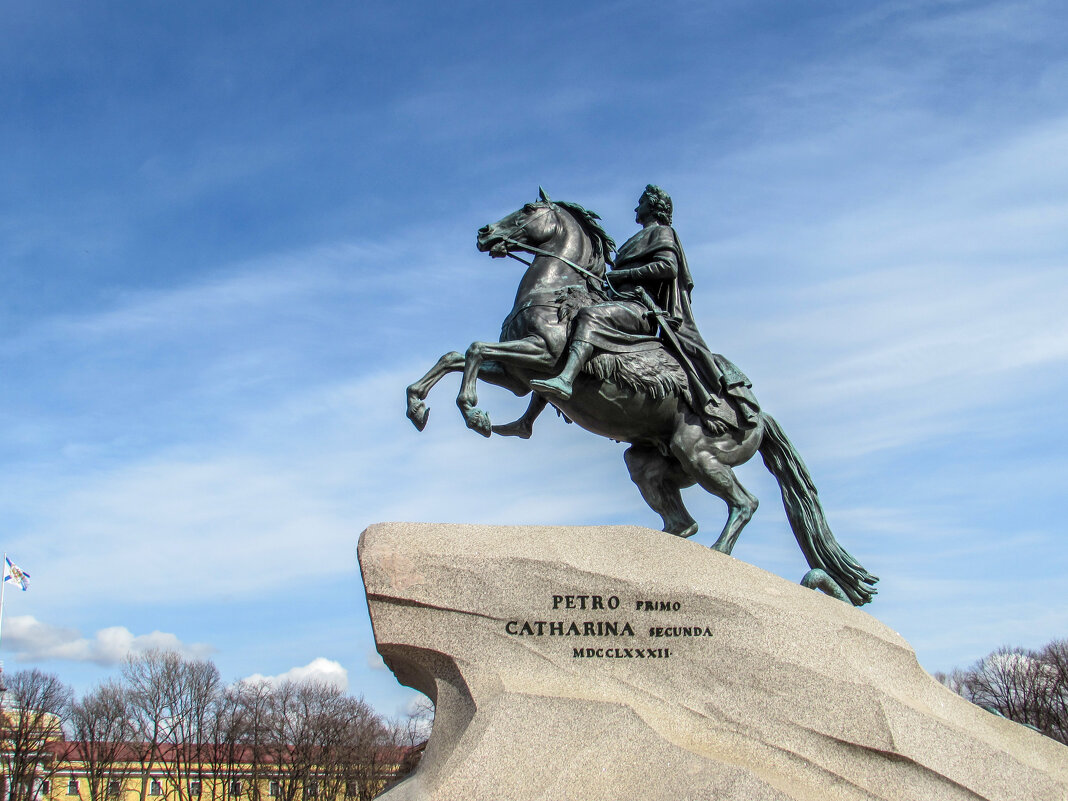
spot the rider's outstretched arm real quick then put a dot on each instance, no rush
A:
(525, 424)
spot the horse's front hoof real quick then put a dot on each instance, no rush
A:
(478, 420)
(418, 413)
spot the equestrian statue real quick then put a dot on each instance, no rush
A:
(618, 352)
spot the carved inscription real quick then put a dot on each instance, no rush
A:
(603, 625)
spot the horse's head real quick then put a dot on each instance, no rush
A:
(534, 224)
(560, 229)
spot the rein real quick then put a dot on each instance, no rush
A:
(600, 280)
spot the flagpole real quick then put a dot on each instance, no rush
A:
(3, 589)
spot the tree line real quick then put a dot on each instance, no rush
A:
(169, 727)
(1024, 685)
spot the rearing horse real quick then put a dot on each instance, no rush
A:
(669, 449)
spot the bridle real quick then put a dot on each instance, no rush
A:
(526, 246)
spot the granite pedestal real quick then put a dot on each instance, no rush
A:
(618, 663)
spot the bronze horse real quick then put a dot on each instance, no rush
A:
(669, 449)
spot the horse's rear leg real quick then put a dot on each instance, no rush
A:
(660, 478)
(695, 452)
(524, 426)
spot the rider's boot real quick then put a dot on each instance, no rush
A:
(560, 387)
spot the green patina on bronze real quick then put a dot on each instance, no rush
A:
(618, 352)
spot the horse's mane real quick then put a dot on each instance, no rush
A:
(603, 245)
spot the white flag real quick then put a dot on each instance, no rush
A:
(13, 572)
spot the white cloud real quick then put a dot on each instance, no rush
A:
(34, 641)
(320, 669)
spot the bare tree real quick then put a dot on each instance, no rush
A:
(34, 710)
(102, 724)
(408, 736)
(255, 702)
(417, 723)
(226, 754)
(1010, 682)
(192, 701)
(954, 680)
(291, 737)
(145, 676)
(355, 744)
(173, 698)
(170, 719)
(320, 743)
(1029, 687)
(1055, 657)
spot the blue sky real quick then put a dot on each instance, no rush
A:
(231, 234)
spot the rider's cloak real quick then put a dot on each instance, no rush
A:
(655, 260)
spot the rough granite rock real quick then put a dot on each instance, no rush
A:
(784, 693)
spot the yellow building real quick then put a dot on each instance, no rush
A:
(136, 772)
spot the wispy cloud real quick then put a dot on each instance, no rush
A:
(918, 312)
(300, 480)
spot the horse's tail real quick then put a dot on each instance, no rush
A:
(806, 517)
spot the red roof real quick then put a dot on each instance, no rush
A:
(77, 751)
